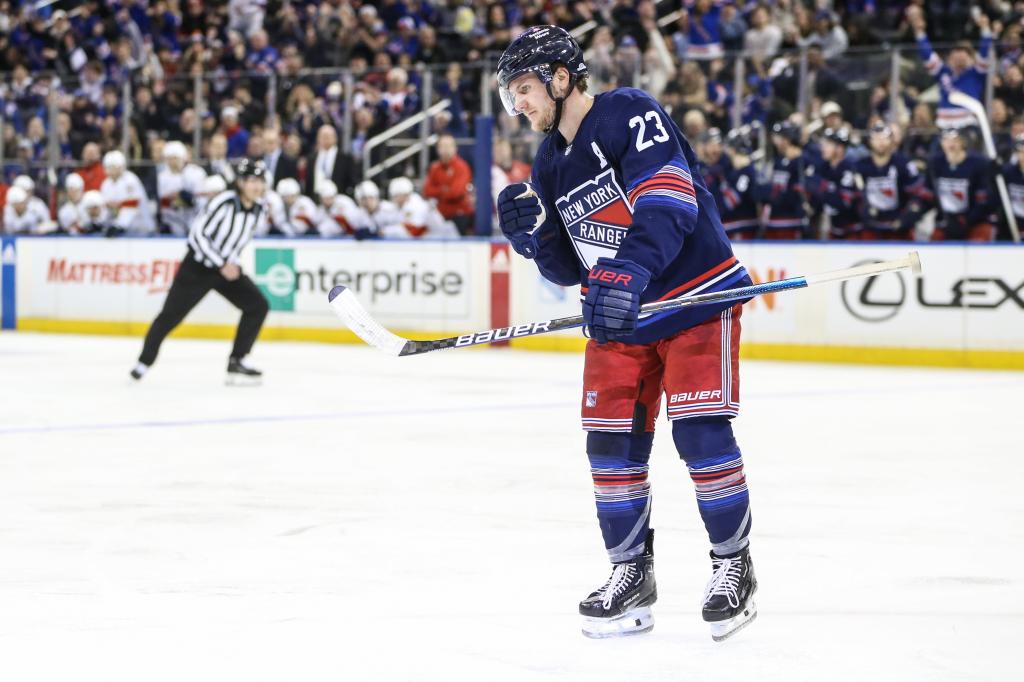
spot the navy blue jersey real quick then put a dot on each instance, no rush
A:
(889, 191)
(739, 202)
(786, 194)
(838, 193)
(961, 192)
(623, 189)
(1014, 177)
(715, 175)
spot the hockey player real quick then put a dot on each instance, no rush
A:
(71, 213)
(837, 186)
(417, 217)
(958, 182)
(302, 216)
(215, 242)
(892, 187)
(715, 165)
(337, 211)
(373, 213)
(211, 187)
(125, 196)
(177, 185)
(787, 211)
(1013, 172)
(740, 189)
(95, 216)
(26, 214)
(960, 72)
(613, 206)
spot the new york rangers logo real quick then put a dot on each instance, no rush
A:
(597, 217)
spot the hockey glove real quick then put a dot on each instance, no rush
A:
(520, 213)
(612, 304)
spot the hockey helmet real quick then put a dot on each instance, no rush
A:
(327, 190)
(535, 51)
(92, 199)
(367, 190)
(837, 135)
(26, 183)
(214, 184)
(74, 181)
(400, 187)
(114, 159)
(740, 140)
(16, 195)
(788, 131)
(250, 168)
(175, 150)
(289, 187)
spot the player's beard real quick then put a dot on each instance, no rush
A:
(545, 119)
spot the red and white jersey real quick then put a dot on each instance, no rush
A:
(303, 216)
(274, 217)
(175, 212)
(416, 218)
(386, 214)
(71, 217)
(35, 220)
(127, 202)
(338, 219)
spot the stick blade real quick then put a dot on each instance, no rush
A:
(915, 262)
(347, 307)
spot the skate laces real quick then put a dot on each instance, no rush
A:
(622, 576)
(725, 580)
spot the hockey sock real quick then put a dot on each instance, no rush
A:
(715, 464)
(618, 464)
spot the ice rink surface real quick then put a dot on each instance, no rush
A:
(362, 517)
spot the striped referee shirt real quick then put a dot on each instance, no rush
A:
(220, 233)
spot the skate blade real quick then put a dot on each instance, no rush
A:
(242, 380)
(725, 629)
(634, 622)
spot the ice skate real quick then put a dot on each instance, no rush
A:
(240, 374)
(622, 606)
(139, 371)
(729, 598)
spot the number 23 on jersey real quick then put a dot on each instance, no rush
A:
(660, 135)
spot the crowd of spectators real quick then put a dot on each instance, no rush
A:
(269, 86)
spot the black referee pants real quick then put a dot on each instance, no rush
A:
(193, 281)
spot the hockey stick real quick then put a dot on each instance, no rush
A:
(347, 307)
(975, 107)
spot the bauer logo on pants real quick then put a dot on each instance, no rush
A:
(275, 276)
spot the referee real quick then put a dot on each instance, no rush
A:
(215, 239)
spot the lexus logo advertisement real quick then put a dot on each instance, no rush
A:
(880, 298)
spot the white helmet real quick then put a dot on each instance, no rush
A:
(16, 195)
(289, 187)
(327, 190)
(114, 159)
(26, 183)
(367, 190)
(92, 199)
(74, 181)
(175, 150)
(214, 184)
(400, 187)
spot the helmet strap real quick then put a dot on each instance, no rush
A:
(559, 102)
